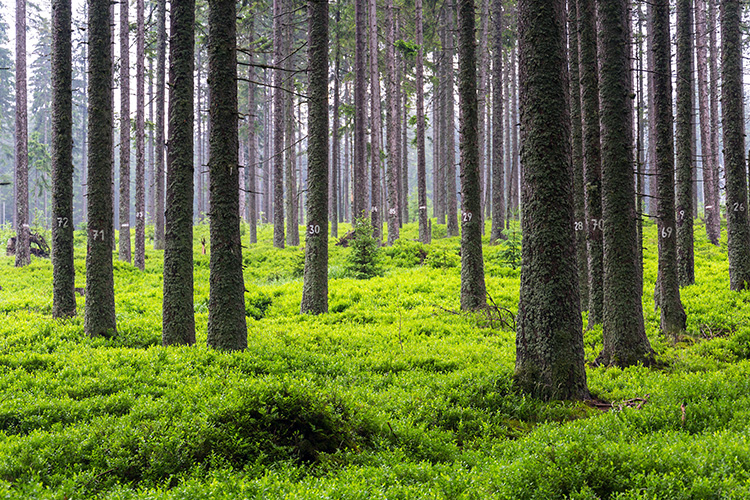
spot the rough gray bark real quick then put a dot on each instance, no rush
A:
(549, 339)
(333, 192)
(151, 192)
(513, 97)
(63, 270)
(684, 143)
(278, 126)
(421, 167)
(99, 316)
(178, 323)
(124, 242)
(139, 258)
(498, 172)
(375, 126)
(449, 169)
(199, 137)
(713, 93)
(592, 160)
(290, 150)
(315, 282)
(576, 142)
(252, 143)
(473, 288)
(359, 172)
(23, 257)
(733, 124)
(227, 327)
(394, 155)
(672, 314)
(161, 49)
(624, 336)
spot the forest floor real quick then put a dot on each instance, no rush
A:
(394, 394)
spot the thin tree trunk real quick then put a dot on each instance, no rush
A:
(252, 142)
(161, 48)
(482, 68)
(124, 241)
(84, 124)
(498, 172)
(199, 140)
(421, 167)
(23, 257)
(151, 192)
(549, 340)
(333, 193)
(227, 327)
(713, 93)
(394, 155)
(359, 173)
(99, 316)
(450, 142)
(375, 125)
(278, 126)
(514, 158)
(140, 171)
(63, 269)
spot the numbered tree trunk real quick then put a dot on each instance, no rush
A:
(23, 257)
(549, 340)
(592, 160)
(473, 289)
(99, 316)
(684, 143)
(576, 142)
(734, 146)
(178, 323)
(139, 259)
(161, 49)
(315, 283)
(124, 241)
(624, 336)
(227, 328)
(63, 270)
(672, 314)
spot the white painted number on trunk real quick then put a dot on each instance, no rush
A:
(313, 229)
(739, 207)
(579, 225)
(467, 216)
(666, 232)
(98, 235)
(62, 222)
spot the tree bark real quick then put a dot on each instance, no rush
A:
(139, 258)
(359, 173)
(161, 48)
(624, 336)
(178, 324)
(733, 124)
(421, 167)
(278, 125)
(99, 316)
(449, 169)
(63, 269)
(684, 143)
(394, 155)
(23, 257)
(549, 340)
(473, 289)
(315, 282)
(333, 193)
(124, 241)
(483, 63)
(375, 126)
(252, 142)
(227, 328)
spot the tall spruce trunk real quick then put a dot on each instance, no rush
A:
(278, 125)
(252, 144)
(394, 155)
(227, 327)
(684, 143)
(498, 172)
(482, 83)
(450, 142)
(124, 252)
(178, 323)
(624, 336)
(161, 50)
(315, 282)
(359, 171)
(63, 269)
(99, 315)
(713, 93)
(514, 159)
(375, 126)
(592, 160)
(473, 288)
(333, 192)
(139, 259)
(733, 124)
(549, 339)
(290, 150)
(421, 167)
(576, 142)
(672, 314)
(23, 257)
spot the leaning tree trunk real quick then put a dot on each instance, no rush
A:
(161, 48)
(99, 316)
(278, 125)
(23, 258)
(672, 314)
(63, 269)
(124, 247)
(178, 323)
(473, 289)
(624, 335)
(576, 142)
(139, 258)
(375, 126)
(684, 143)
(549, 340)
(592, 160)
(227, 327)
(394, 155)
(733, 124)
(315, 282)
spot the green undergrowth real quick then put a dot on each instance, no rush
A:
(393, 394)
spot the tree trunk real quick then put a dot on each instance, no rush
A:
(333, 193)
(624, 335)
(713, 92)
(576, 141)
(151, 192)
(684, 143)
(359, 173)
(473, 290)
(498, 172)
(394, 155)
(252, 142)
(139, 258)
(63, 270)
(178, 324)
(449, 170)
(124, 242)
(592, 161)
(227, 328)
(482, 83)
(375, 125)
(733, 124)
(161, 48)
(315, 283)
(99, 316)
(549, 340)
(278, 125)
(514, 174)
(199, 138)
(710, 189)
(23, 257)
(424, 236)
